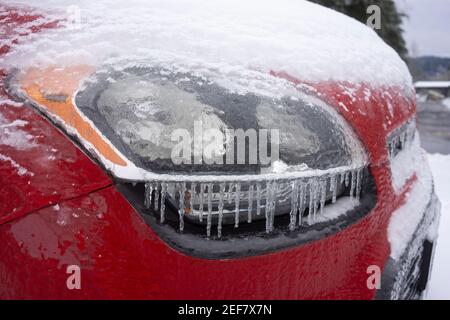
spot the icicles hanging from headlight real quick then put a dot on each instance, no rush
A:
(401, 137)
(236, 202)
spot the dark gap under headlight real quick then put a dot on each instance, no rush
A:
(251, 238)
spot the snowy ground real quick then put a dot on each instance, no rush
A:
(446, 102)
(440, 278)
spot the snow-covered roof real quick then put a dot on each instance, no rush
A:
(236, 43)
(432, 84)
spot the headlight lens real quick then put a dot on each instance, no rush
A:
(138, 109)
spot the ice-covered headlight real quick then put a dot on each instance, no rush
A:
(318, 155)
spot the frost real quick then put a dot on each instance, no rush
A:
(12, 136)
(10, 102)
(20, 170)
(343, 106)
(279, 167)
(404, 220)
(401, 168)
(339, 208)
(17, 139)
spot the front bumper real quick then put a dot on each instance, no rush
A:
(407, 278)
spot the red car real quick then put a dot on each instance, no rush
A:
(108, 189)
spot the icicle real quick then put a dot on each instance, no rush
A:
(403, 138)
(148, 195)
(258, 199)
(359, 179)
(181, 205)
(274, 198)
(342, 177)
(353, 184)
(220, 208)
(202, 196)
(411, 133)
(163, 201)
(302, 202)
(267, 208)
(333, 187)
(192, 199)
(317, 197)
(237, 198)
(294, 205)
(347, 178)
(157, 188)
(230, 193)
(314, 198)
(311, 201)
(208, 223)
(332, 182)
(394, 145)
(323, 193)
(250, 203)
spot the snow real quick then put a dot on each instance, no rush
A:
(279, 167)
(439, 286)
(431, 84)
(20, 170)
(10, 102)
(404, 220)
(234, 42)
(400, 171)
(12, 136)
(446, 103)
(335, 210)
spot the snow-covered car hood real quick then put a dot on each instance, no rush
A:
(242, 47)
(233, 42)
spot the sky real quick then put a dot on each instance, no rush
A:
(427, 30)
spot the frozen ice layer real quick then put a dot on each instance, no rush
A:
(243, 201)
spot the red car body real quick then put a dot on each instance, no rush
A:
(69, 212)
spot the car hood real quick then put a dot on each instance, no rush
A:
(256, 47)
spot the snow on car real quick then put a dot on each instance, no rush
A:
(348, 190)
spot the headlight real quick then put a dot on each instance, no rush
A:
(319, 156)
(128, 117)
